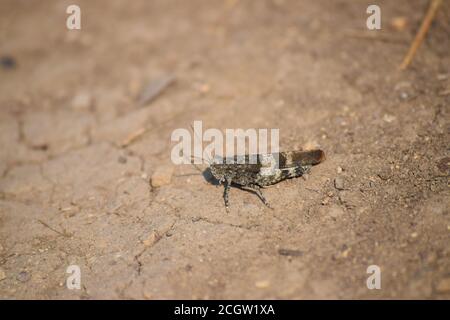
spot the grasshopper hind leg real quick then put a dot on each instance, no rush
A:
(256, 189)
(295, 172)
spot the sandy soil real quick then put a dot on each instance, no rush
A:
(71, 193)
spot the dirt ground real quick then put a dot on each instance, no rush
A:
(78, 151)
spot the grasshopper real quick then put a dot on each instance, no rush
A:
(268, 169)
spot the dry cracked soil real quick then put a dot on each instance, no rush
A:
(78, 150)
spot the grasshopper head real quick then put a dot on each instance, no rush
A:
(218, 171)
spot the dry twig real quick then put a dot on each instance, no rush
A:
(420, 35)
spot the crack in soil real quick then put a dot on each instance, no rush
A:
(148, 243)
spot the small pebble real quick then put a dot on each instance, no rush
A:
(122, 159)
(162, 176)
(151, 239)
(389, 118)
(23, 276)
(2, 275)
(399, 23)
(344, 254)
(444, 164)
(404, 95)
(339, 183)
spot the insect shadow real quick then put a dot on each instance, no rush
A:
(208, 176)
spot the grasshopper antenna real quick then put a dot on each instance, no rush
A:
(196, 166)
(207, 160)
(194, 157)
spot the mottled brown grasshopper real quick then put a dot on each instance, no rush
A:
(254, 171)
(268, 169)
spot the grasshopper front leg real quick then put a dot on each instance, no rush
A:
(227, 185)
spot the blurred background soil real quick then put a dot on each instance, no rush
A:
(78, 150)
